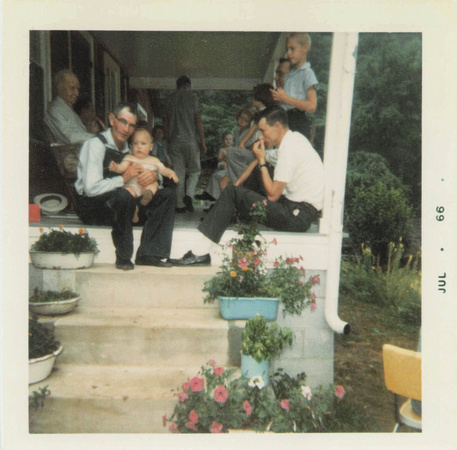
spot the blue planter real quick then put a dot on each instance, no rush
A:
(246, 308)
(251, 368)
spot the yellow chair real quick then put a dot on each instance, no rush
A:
(403, 377)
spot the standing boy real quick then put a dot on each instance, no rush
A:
(298, 97)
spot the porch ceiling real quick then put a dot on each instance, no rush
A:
(212, 60)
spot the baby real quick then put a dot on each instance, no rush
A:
(142, 144)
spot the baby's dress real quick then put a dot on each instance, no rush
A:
(133, 183)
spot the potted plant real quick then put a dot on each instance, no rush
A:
(259, 343)
(61, 249)
(245, 286)
(53, 302)
(43, 350)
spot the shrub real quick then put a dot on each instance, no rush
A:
(42, 340)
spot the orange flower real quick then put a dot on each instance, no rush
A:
(41, 230)
(61, 227)
(233, 274)
(81, 230)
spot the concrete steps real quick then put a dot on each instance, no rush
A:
(134, 337)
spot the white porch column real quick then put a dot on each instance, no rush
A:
(339, 105)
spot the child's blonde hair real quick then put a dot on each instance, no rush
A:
(301, 38)
(143, 129)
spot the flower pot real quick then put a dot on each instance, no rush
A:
(234, 308)
(40, 368)
(55, 260)
(251, 368)
(54, 308)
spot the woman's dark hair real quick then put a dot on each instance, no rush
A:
(262, 93)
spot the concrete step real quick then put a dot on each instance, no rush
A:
(109, 399)
(104, 285)
(132, 336)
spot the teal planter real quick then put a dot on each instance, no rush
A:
(234, 308)
(251, 368)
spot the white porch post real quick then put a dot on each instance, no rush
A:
(339, 105)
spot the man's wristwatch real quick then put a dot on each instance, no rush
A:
(262, 165)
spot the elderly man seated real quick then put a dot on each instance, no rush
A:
(62, 120)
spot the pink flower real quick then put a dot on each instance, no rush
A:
(264, 202)
(302, 270)
(243, 263)
(193, 416)
(256, 262)
(315, 280)
(229, 244)
(253, 205)
(196, 384)
(173, 428)
(339, 391)
(220, 394)
(300, 283)
(312, 296)
(182, 397)
(216, 428)
(212, 363)
(247, 407)
(191, 426)
(312, 306)
(285, 404)
(274, 241)
(219, 371)
(164, 420)
(186, 386)
(301, 257)
(276, 264)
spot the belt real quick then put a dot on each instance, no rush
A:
(307, 205)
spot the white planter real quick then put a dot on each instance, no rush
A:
(54, 308)
(55, 260)
(40, 368)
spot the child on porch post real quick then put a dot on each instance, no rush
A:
(142, 144)
(298, 97)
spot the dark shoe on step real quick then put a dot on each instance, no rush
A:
(181, 210)
(124, 264)
(148, 260)
(205, 196)
(188, 202)
(189, 259)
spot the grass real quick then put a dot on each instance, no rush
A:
(358, 361)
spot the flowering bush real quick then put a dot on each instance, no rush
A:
(65, 242)
(247, 275)
(215, 402)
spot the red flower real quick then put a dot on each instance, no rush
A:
(193, 416)
(285, 404)
(182, 396)
(276, 264)
(173, 428)
(243, 263)
(164, 420)
(315, 280)
(256, 262)
(191, 426)
(312, 306)
(220, 394)
(274, 241)
(219, 371)
(247, 407)
(339, 391)
(216, 428)
(196, 384)
(302, 270)
(312, 296)
(186, 386)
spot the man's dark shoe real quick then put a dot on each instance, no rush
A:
(188, 202)
(205, 196)
(189, 259)
(181, 210)
(124, 264)
(148, 260)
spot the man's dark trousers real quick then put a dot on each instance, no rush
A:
(282, 215)
(157, 217)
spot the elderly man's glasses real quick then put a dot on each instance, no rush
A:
(124, 123)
